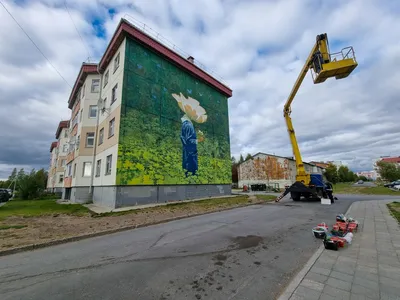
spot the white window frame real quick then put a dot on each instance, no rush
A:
(74, 171)
(89, 135)
(101, 136)
(114, 94)
(65, 133)
(111, 128)
(65, 148)
(91, 109)
(87, 172)
(95, 88)
(63, 161)
(61, 178)
(116, 62)
(98, 168)
(108, 164)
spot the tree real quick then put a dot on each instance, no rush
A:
(235, 174)
(345, 175)
(388, 171)
(13, 175)
(241, 159)
(249, 156)
(363, 178)
(331, 173)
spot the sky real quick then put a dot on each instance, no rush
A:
(257, 46)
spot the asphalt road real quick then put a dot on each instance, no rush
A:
(245, 253)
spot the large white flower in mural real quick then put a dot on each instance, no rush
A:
(191, 107)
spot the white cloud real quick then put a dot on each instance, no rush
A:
(258, 47)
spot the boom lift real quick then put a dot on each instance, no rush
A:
(323, 65)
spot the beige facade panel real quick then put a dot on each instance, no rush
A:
(105, 139)
(83, 149)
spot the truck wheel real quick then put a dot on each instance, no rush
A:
(295, 196)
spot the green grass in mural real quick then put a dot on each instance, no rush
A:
(152, 154)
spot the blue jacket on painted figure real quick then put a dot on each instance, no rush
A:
(189, 147)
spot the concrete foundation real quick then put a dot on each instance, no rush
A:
(80, 195)
(122, 196)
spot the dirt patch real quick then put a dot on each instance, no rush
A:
(245, 242)
(220, 257)
(22, 231)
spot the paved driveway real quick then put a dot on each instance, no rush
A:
(245, 253)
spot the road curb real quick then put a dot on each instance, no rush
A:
(106, 232)
(288, 292)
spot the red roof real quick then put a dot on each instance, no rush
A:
(53, 145)
(86, 69)
(392, 159)
(126, 29)
(61, 125)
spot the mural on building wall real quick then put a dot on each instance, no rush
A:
(266, 168)
(174, 128)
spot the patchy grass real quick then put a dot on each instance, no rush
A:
(348, 188)
(394, 208)
(5, 227)
(266, 198)
(35, 208)
(205, 205)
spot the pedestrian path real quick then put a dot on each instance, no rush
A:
(369, 268)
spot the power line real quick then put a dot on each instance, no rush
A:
(83, 42)
(35, 45)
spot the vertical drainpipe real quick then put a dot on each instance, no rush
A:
(95, 134)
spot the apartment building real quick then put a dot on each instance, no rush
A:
(83, 104)
(147, 125)
(58, 150)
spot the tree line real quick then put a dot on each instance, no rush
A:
(342, 174)
(28, 186)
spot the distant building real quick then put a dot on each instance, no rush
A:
(271, 169)
(58, 150)
(323, 165)
(372, 175)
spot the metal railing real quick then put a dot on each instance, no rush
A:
(345, 53)
(170, 45)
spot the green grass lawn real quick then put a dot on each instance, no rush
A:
(348, 188)
(394, 207)
(34, 208)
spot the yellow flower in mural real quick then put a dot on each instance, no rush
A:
(191, 107)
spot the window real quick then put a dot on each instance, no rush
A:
(80, 120)
(61, 178)
(98, 168)
(114, 94)
(87, 169)
(65, 133)
(78, 141)
(105, 79)
(73, 174)
(89, 139)
(105, 104)
(101, 136)
(69, 170)
(65, 147)
(92, 111)
(95, 85)
(108, 164)
(116, 62)
(63, 162)
(111, 128)
(83, 90)
(79, 94)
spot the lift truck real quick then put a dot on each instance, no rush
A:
(323, 65)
